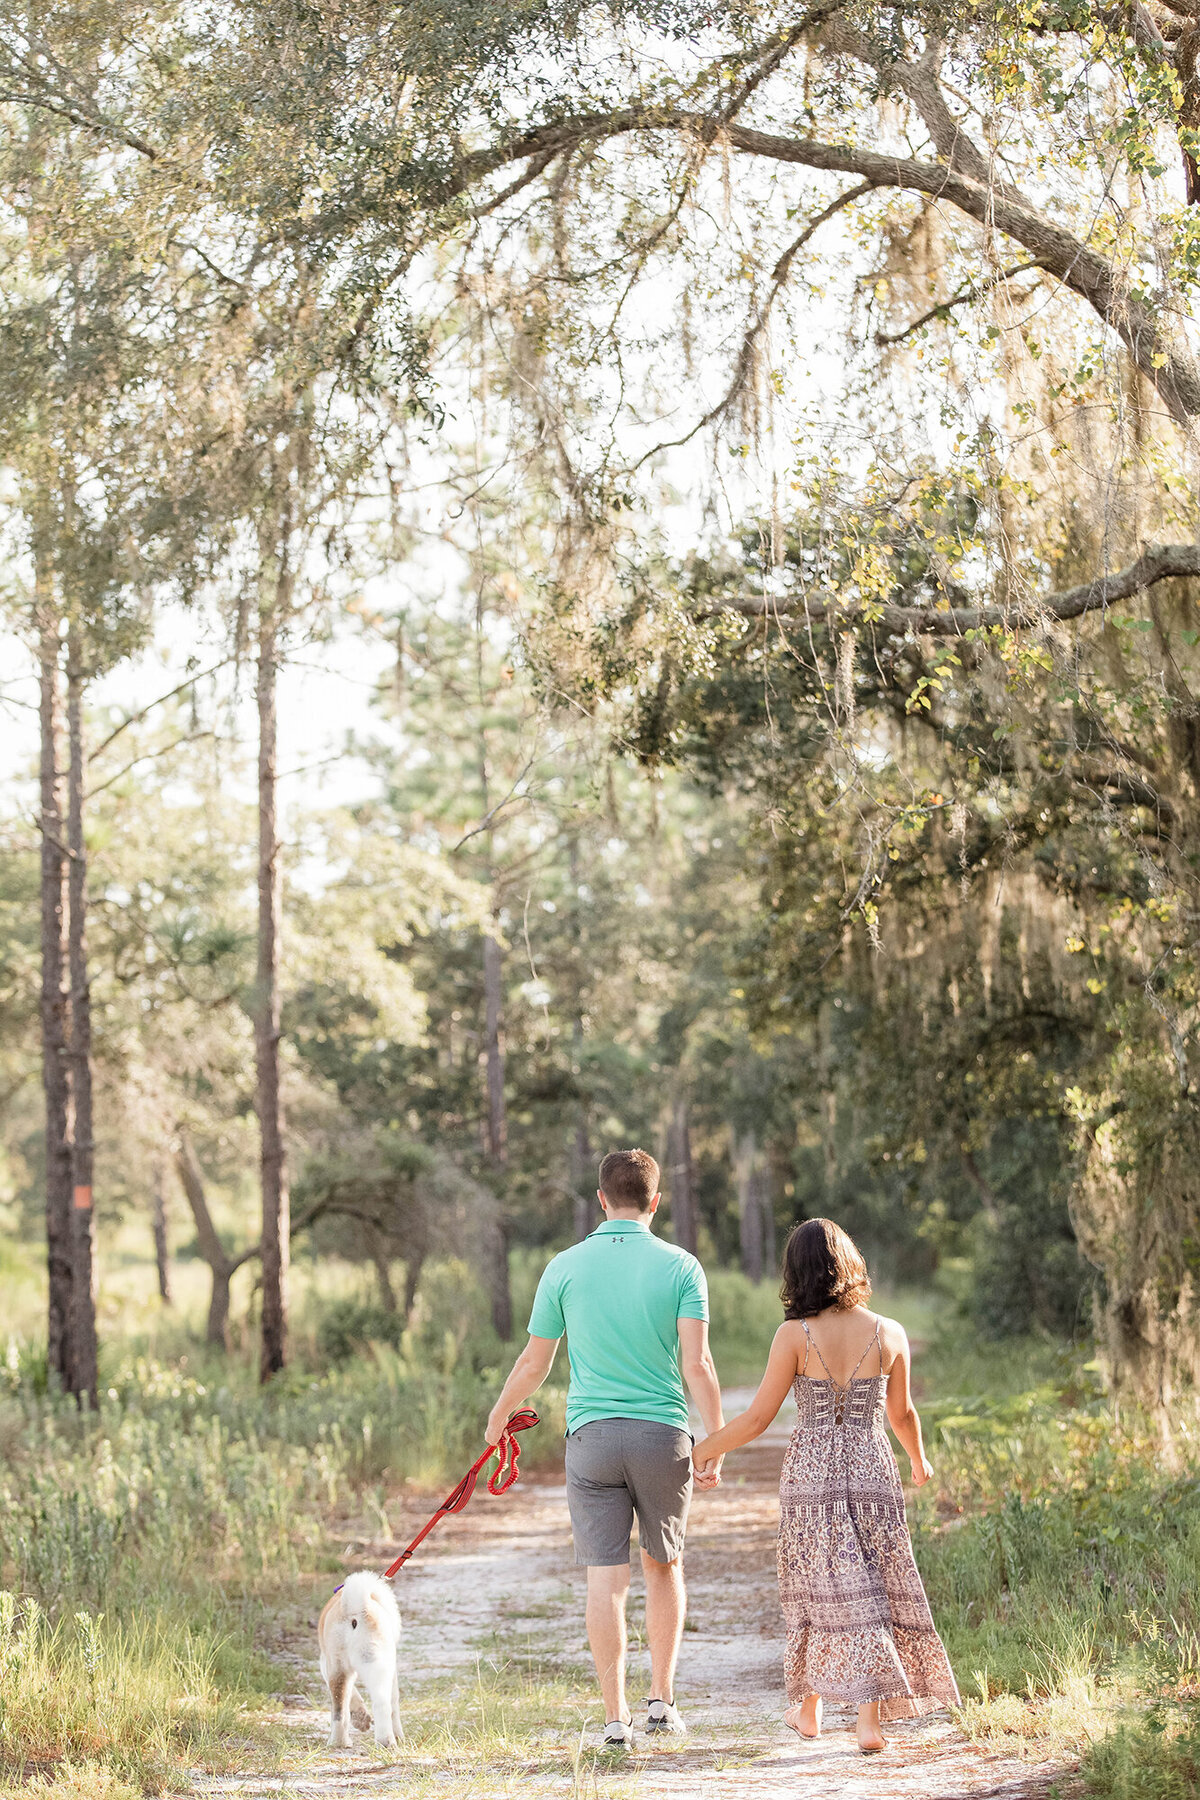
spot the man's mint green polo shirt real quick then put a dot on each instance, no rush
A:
(617, 1296)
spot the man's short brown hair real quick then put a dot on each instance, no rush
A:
(629, 1178)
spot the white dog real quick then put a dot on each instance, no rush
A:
(359, 1635)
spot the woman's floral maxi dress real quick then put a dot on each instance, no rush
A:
(858, 1623)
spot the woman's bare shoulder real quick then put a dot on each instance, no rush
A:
(892, 1335)
(791, 1331)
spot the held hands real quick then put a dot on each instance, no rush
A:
(921, 1472)
(707, 1466)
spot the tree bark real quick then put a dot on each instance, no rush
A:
(496, 1124)
(383, 1276)
(683, 1192)
(582, 1171)
(828, 1093)
(223, 1266)
(162, 1249)
(56, 1080)
(412, 1279)
(746, 1176)
(583, 1193)
(767, 1209)
(989, 1204)
(497, 1117)
(81, 1375)
(497, 1129)
(499, 1281)
(268, 1097)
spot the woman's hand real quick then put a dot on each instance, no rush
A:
(921, 1471)
(707, 1466)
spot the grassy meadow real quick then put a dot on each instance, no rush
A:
(145, 1551)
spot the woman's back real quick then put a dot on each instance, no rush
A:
(838, 1346)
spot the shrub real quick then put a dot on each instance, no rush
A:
(744, 1316)
(347, 1326)
(1157, 1758)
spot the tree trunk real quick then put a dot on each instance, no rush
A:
(412, 1279)
(162, 1249)
(498, 1276)
(223, 1266)
(989, 1204)
(828, 1098)
(683, 1192)
(496, 1132)
(497, 1129)
(583, 1174)
(268, 1098)
(82, 1376)
(1135, 1208)
(583, 1188)
(216, 1326)
(383, 1275)
(497, 1118)
(767, 1209)
(746, 1176)
(56, 1081)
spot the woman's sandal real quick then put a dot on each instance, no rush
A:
(793, 1724)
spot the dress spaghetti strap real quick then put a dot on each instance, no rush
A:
(862, 1359)
(813, 1345)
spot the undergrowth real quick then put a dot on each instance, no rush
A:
(1060, 1557)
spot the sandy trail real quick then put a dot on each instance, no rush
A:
(498, 1580)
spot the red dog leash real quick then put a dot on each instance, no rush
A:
(502, 1477)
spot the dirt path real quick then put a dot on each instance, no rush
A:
(497, 1589)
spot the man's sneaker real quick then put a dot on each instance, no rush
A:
(617, 1735)
(663, 1717)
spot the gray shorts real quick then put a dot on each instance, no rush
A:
(616, 1467)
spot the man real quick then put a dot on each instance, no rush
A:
(635, 1314)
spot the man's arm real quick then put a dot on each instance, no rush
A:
(700, 1373)
(528, 1373)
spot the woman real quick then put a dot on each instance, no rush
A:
(859, 1628)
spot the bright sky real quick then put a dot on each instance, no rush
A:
(323, 694)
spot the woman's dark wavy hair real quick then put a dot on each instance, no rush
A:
(822, 1267)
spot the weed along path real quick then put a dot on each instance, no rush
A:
(496, 1687)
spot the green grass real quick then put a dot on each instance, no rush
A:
(1059, 1557)
(1155, 1757)
(116, 1707)
(182, 1508)
(524, 1719)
